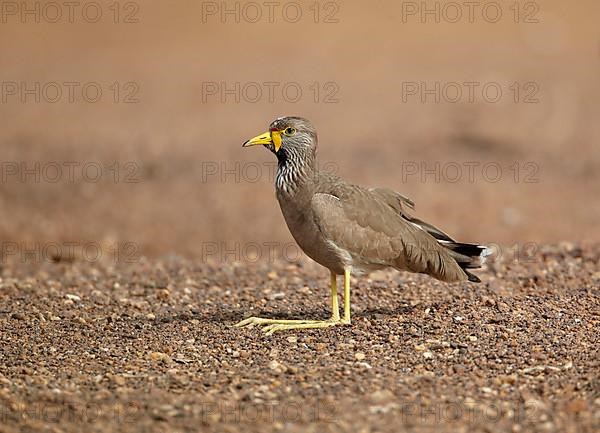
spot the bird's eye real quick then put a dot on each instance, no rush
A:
(289, 131)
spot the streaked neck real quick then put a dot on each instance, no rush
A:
(295, 168)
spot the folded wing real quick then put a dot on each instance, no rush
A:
(374, 227)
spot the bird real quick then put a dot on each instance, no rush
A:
(351, 229)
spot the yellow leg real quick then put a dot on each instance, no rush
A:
(347, 296)
(335, 309)
(274, 325)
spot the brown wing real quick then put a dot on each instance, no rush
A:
(399, 203)
(363, 223)
(394, 199)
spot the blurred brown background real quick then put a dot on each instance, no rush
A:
(177, 135)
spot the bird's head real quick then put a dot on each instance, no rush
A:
(287, 133)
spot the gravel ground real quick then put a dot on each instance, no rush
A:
(149, 346)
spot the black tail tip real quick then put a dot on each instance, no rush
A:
(472, 278)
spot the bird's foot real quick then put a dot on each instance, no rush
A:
(275, 325)
(312, 324)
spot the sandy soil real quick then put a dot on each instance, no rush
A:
(142, 339)
(150, 347)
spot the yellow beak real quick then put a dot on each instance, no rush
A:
(266, 138)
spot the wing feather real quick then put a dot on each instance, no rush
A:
(373, 227)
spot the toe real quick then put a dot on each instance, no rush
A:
(250, 321)
(270, 329)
